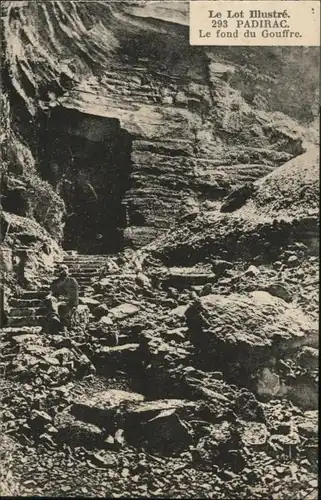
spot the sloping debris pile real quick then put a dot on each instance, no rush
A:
(198, 379)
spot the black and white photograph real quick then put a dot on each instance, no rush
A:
(159, 293)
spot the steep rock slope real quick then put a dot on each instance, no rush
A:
(192, 121)
(31, 215)
(260, 256)
(259, 224)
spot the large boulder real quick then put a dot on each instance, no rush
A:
(158, 425)
(122, 311)
(169, 426)
(47, 364)
(240, 334)
(102, 407)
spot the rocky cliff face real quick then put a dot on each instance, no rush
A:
(174, 124)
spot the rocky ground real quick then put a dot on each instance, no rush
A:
(174, 382)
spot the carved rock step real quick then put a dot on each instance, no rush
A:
(79, 271)
(27, 311)
(83, 279)
(25, 321)
(83, 256)
(84, 270)
(85, 260)
(79, 268)
(16, 302)
(28, 338)
(91, 264)
(22, 330)
(34, 294)
(87, 273)
(81, 276)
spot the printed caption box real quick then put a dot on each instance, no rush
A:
(250, 22)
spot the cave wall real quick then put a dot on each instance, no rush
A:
(198, 120)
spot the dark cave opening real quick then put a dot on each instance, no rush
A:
(87, 158)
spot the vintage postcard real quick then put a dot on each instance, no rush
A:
(159, 214)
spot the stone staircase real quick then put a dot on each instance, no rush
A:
(27, 311)
(84, 268)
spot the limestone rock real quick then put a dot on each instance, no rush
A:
(279, 290)
(254, 434)
(308, 357)
(147, 410)
(107, 335)
(123, 311)
(111, 398)
(222, 444)
(252, 271)
(105, 321)
(166, 434)
(76, 433)
(123, 357)
(231, 333)
(237, 198)
(303, 391)
(293, 260)
(184, 277)
(40, 418)
(307, 425)
(248, 408)
(90, 302)
(269, 384)
(100, 311)
(27, 338)
(285, 443)
(103, 460)
(240, 320)
(221, 265)
(158, 359)
(116, 409)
